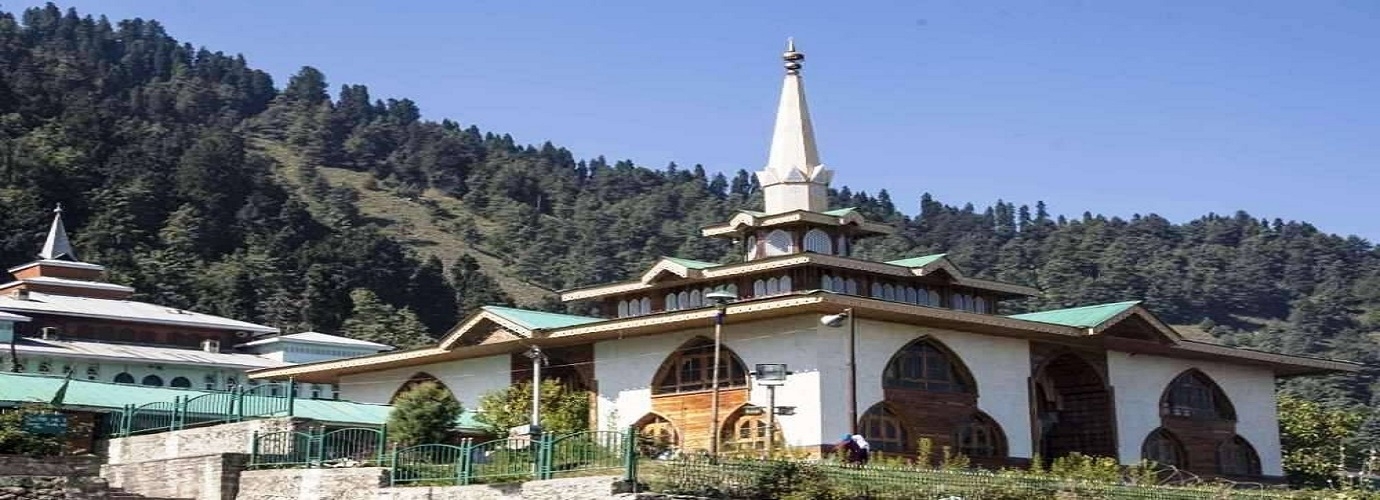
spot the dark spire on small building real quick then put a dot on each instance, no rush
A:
(58, 246)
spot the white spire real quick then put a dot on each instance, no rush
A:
(794, 179)
(58, 247)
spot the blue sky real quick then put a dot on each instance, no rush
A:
(1176, 108)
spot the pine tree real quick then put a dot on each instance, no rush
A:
(473, 288)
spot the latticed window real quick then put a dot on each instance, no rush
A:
(818, 242)
(690, 368)
(1236, 457)
(748, 432)
(980, 437)
(778, 243)
(660, 434)
(1194, 395)
(1163, 448)
(672, 302)
(921, 365)
(884, 430)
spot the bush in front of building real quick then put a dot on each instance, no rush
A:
(15, 440)
(426, 413)
(563, 411)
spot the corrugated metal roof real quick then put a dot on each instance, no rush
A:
(126, 310)
(920, 261)
(35, 388)
(693, 264)
(1081, 317)
(4, 316)
(140, 353)
(319, 338)
(537, 320)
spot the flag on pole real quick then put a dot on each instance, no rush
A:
(62, 391)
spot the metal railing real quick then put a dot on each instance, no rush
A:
(264, 401)
(495, 461)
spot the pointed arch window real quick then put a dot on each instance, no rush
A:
(418, 379)
(684, 299)
(818, 241)
(888, 292)
(622, 308)
(779, 242)
(1163, 448)
(826, 282)
(732, 288)
(876, 290)
(759, 288)
(773, 286)
(672, 302)
(124, 378)
(748, 433)
(850, 286)
(909, 295)
(690, 368)
(645, 306)
(1193, 395)
(1236, 457)
(659, 435)
(980, 305)
(784, 285)
(924, 365)
(884, 430)
(980, 437)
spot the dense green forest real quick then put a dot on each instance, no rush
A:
(196, 179)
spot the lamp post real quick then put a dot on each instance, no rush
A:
(721, 300)
(538, 359)
(835, 321)
(771, 375)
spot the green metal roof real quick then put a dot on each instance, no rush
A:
(35, 388)
(841, 211)
(1081, 317)
(693, 264)
(539, 320)
(920, 261)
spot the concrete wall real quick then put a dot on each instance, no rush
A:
(468, 379)
(195, 442)
(624, 370)
(365, 484)
(1140, 380)
(1000, 366)
(207, 477)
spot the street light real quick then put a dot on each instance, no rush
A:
(771, 375)
(835, 321)
(720, 299)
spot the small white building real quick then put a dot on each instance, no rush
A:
(913, 349)
(57, 316)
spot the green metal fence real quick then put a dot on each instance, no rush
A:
(264, 401)
(496, 461)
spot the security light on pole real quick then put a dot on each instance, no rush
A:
(720, 299)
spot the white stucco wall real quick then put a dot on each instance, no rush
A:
(468, 379)
(1140, 380)
(624, 369)
(1000, 366)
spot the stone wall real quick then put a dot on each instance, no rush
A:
(19, 487)
(359, 483)
(50, 466)
(207, 477)
(365, 483)
(195, 442)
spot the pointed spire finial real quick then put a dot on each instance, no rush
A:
(793, 59)
(58, 246)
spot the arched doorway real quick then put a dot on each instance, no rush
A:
(418, 379)
(1073, 410)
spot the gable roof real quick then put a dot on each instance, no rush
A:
(122, 310)
(539, 320)
(319, 338)
(693, 264)
(1079, 317)
(920, 261)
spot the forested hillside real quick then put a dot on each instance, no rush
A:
(196, 179)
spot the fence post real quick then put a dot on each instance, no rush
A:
(178, 414)
(383, 442)
(292, 395)
(254, 449)
(393, 467)
(630, 457)
(124, 421)
(316, 442)
(237, 395)
(465, 470)
(547, 442)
